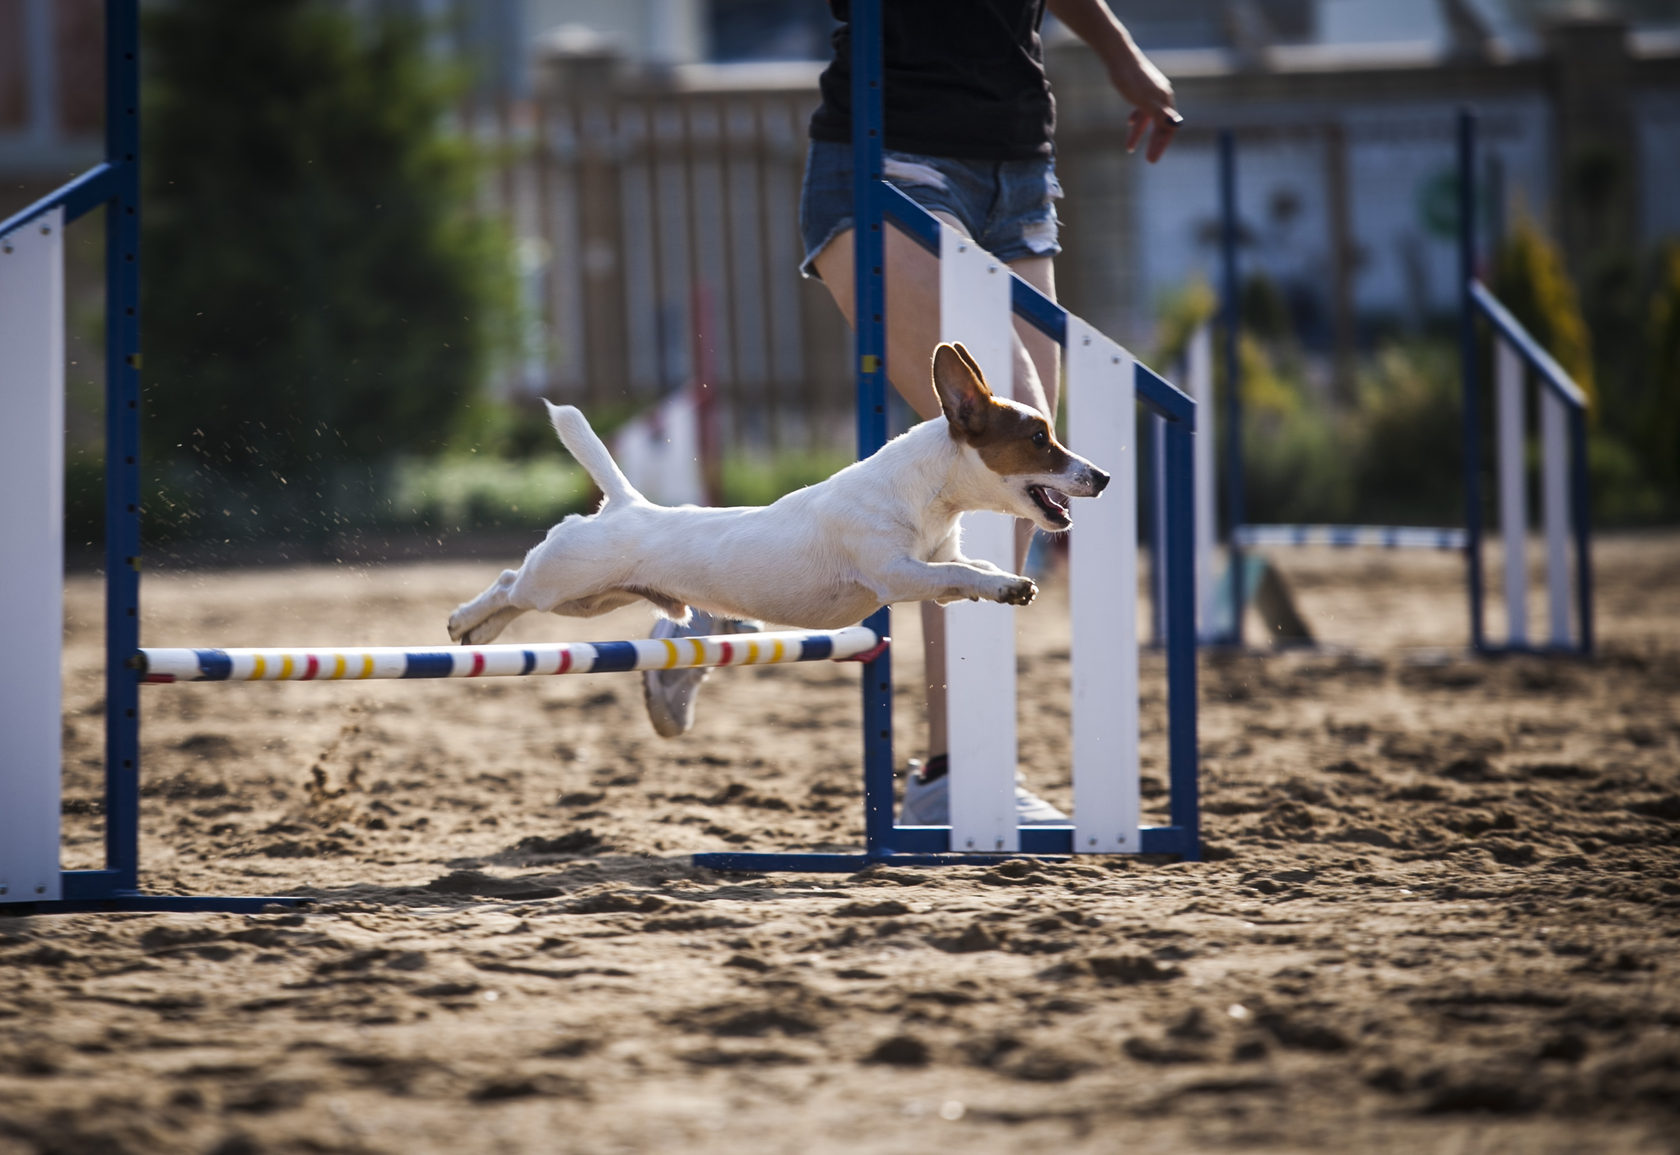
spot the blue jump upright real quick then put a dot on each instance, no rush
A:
(1566, 500)
(30, 876)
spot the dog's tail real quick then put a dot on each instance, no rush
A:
(591, 453)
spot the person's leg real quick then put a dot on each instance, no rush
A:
(913, 322)
(1037, 360)
(912, 276)
(1043, 355)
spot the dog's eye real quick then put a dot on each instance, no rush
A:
(1041, 439)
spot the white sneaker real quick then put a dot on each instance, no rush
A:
(927, 802)
(1031, 810)
(669, 694)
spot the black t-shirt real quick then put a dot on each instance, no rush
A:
(964, 78)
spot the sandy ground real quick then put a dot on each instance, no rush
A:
(1440, 909)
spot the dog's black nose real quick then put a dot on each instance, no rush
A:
(1099, 481)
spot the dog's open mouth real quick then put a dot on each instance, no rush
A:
(1053, 502)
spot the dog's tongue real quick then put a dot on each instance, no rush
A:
(1056, 498)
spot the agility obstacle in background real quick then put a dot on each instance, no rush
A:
(1563, 473)
(1103, 377)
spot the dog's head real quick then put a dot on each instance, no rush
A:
(1034, 474)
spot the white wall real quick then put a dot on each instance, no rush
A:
(1397, 153)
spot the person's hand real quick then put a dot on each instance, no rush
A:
(1151, 97)
(1129, 70)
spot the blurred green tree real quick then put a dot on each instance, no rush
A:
(1408, 452)
(319, 289)
(1529, 277)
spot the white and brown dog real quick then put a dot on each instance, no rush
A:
(881, 531)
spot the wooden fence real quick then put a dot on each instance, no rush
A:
(667, 211)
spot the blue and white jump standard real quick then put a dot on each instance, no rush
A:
(980, 300)
(32, 509)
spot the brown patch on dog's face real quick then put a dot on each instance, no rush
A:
(1020, 446)
(1012, 439)
(1015, 441)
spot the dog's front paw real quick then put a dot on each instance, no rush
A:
(473, 629)
(1015, 591)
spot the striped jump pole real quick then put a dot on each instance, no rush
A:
(336, 663)
(1352, 536)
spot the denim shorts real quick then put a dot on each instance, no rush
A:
(1008, 207)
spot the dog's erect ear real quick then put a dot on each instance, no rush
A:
(962, 390)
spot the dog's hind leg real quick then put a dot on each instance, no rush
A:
(674, 608)
(605, 601)
(488, 614)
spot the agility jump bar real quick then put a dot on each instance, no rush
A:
(286, 664)
(1351, 536)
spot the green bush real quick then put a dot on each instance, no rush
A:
(1623, 492)
(191, 501)
(1292, 470)
(1182, 312)
(482, 492)
(84, 499)
(451, 494)
(1628, 363)
(1406, 438)
(521, 429)
(1530, 280)
(320, 291)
